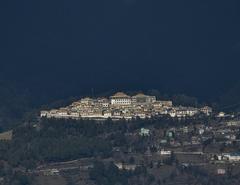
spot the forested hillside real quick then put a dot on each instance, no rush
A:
(14, 104)
(230, 100)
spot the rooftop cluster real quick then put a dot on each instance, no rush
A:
(121, 105)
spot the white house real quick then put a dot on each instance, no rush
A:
(107, 114)
(43, 113)
(122, 166)
(206, 110)
(144, 132)
(232, 156)
(165, 152)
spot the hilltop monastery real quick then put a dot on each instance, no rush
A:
(121, 105)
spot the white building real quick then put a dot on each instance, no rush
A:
(221, 171)
(43, 113)
(206, 110)
(144, 132)
(143, 99)
(183, 111)
(107, 114)
(166, 103)
(86, 101)
(165, 152)
(232, 157)
(122, 166)
(121, 99)
(221, 114)
(104, 102)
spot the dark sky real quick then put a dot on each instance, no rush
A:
(70, 46)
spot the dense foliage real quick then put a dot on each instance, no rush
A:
(14, 104)
(52, 140)
(109, 174)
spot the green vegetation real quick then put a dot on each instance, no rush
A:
(53, 140)
(109, 174)
(14, 104)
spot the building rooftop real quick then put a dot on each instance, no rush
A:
(120, 94)
(86, 99)
(140, 95)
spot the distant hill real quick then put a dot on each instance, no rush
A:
(14, 103)
(230, 101)
(19, 104)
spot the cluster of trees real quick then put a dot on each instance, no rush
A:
(12, 177)
(108, 174)
(19, 104)
(202, 176)
(47, 142)
(230, 100)
(14, 104)
(53, 140)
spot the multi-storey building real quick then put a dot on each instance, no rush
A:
(143, 99)
(120, 99)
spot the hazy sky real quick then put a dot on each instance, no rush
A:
(177, 46)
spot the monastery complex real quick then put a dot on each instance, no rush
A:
(120, 106)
